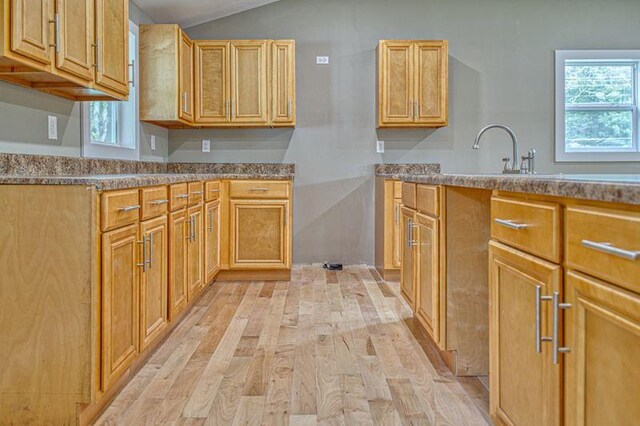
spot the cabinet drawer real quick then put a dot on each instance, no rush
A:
(532, 226)
(409, 195)
(397, 189)
(119, 208)
(212, 190)
(604, 243)
(258, 189)
(428, 199)
(178, 196)
(196, 192)
(155, 201)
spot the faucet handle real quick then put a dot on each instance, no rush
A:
(507, 163)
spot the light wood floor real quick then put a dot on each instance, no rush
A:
(325, 348)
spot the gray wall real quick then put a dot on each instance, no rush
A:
(23, 120)
(501, 70)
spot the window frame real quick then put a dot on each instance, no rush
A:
(601, 57)
(118, 151)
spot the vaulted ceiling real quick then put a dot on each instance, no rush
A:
(193, 12)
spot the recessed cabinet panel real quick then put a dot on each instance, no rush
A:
(186, 77)
(396, 97)
(195, 252)
(212, 83)
(178, 235)
(212, 240)
(407, 270)
(30, 29)
(249, 81)
(283, 89)
(112, 34)
(428, 275)
(75, 55)
(431, 83)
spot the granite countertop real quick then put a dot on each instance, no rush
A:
(613, 188)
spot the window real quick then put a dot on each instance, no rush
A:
(597, 105)
(110, 129)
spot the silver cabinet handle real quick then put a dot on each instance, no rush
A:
(197, 193)
(539, 338)
(397, 215)
(411, 109)
(226, 114)
(556, 309)
(511, 224)
(214, 190)
(144, 254)
(150, 250)
(56, 22)
(410, 226)
(132, 66)
(189, 225)
(289, 105)
(182, 196)
(129, 208)
(610, 249)
(184, 101)
(158, 202)
(210, 227)
(259, 189)
(98, 60)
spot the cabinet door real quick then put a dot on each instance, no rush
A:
(121, 253)
(153, 282)
(112, 45)
(249, 82)
(185, 78)
(30, 29)
(212, 240)
(525, 384)
(283, 82)
(395, 82)
(260, 234)
(397, 234)
(178, 235)
(407, 270)
(212, 82)
(428, 275)
(195, 255)
(75, 53)
(431, 79)
(602, 374)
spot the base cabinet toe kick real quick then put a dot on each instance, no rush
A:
(99, 279)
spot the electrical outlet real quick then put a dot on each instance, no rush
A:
(380, 147)
(52, 127)
(322, 60)
(153, 142)
(206, 145)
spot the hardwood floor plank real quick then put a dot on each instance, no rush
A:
(354, 400)
(224, 407)
(407, 403)
(249, 411)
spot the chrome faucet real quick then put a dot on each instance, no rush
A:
(510, 166)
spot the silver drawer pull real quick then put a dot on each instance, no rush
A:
(539, 337)
(128, 208)
(609, 249)
(557, 349)
(182, 196)
(259, 189)
(197, 193)
(214, 190)
(511, 224)
(158, 202)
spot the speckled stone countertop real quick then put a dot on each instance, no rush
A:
(18, 169)
(613, 188)
(392, 171)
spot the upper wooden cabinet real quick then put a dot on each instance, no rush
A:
(77, 49)
(233, 83)
(412, 83)
(166, 76)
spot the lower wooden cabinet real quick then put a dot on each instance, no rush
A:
(212, 240)
(396, 248)
(153, 280)
(407, 271)
(525, 383)
(178, 235)
(195, 252)
(121, 254)
(602, 372)
(428, 275)
(260, 234)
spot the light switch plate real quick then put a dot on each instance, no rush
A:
(52, 127)
(380, 147)
(206, 145)
(322, 60)
(153, 142)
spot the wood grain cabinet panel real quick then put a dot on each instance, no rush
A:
(112, 46)
(412, 83)
(396, 239)
(195, 252)
(212, 240)
(602, 332)
(153, 280)
(283, 78)
(185, 73)
(75, 54)
(249, 82)
(525, 384)
(30, 29)
(407, 270)
(428, 275)
(154, 201)
(212, 82)
(260, 234)
(178, 287)
(121, 253)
